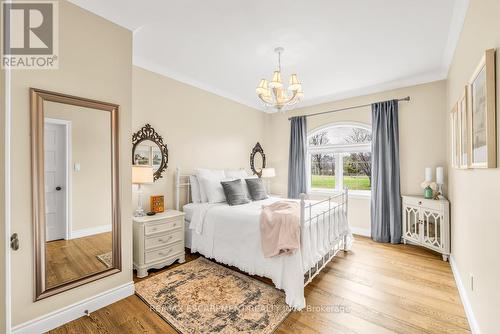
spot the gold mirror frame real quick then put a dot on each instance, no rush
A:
(37, 97)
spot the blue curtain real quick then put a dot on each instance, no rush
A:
(297, 157)
(386, 193)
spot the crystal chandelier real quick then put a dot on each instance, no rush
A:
(273, 94)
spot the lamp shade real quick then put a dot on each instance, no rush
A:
(276, 82)
(263, 87)
(142, 174)
(294, 83)
(268, 172)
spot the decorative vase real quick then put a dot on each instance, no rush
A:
(428, 193)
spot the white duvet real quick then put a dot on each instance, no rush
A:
(231, 235)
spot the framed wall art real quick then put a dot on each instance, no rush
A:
(463, 133)
(482, 114)
(455, 138)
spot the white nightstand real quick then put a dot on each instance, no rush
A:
(158, 241)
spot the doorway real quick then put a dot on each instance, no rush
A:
(57, 155)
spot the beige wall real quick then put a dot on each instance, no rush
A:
(474, 194)
(90, 148)
(421, 131)
(95, 62)
(200, 129)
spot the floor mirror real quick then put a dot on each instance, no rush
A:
(75, 180)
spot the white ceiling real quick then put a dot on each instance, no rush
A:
(338, 48)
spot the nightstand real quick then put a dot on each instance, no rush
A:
(158, 241)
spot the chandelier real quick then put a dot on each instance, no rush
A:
(274, 95)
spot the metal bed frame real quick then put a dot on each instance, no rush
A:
(328, 218)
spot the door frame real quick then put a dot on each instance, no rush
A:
(68, 159)
(7, 215)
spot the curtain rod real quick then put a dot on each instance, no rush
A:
(348, 108)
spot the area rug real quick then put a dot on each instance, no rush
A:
(204, 297)
(106, 258)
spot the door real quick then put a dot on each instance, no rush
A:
(432, 222)
(411, 222)
(55, 180)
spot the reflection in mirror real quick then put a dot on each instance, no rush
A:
(75, 191)
(257, 160)
(148, 153)
(78, 202)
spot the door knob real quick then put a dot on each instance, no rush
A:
(58, 188)
(14, 242)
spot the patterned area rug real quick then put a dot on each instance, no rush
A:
(204, 297)
(106, 258)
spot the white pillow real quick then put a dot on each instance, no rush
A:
(195, 189)
(213, 188)
(237, 174)
(209, 174)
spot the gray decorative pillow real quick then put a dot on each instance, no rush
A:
(235, 193)
(256, 189)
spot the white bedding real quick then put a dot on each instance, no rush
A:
(189, 209)
(231, 235)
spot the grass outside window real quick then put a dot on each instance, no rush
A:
(361, 182)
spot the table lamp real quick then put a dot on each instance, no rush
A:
(268, 173)
(141, 175)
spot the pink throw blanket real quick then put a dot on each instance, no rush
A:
(280, 228)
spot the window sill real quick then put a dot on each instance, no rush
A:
(352, 193)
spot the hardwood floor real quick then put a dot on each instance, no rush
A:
(381, 288)
(66, 260)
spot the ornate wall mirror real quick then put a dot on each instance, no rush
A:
(76, 214)
(257, 160)
(149, 150)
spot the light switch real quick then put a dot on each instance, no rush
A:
(77, 167)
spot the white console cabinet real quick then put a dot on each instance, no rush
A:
(426, 222)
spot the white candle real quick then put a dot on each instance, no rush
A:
(428, 174)
(439, 175)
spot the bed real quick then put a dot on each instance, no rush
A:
(231, 235)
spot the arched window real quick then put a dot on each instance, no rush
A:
(339, 156)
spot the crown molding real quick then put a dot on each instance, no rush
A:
(437, 75)
(172, 74)
(460, 8)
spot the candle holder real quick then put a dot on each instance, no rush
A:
(439, 193)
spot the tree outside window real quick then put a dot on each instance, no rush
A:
(340, 156)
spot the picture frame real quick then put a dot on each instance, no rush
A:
(482, 113)
(463, 131)
(142, 155)
(455, 142)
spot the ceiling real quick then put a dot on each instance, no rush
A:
(338, 48)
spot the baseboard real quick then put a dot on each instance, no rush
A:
(474, 326)
(85, 232)
(365, 232)
(75, 311)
